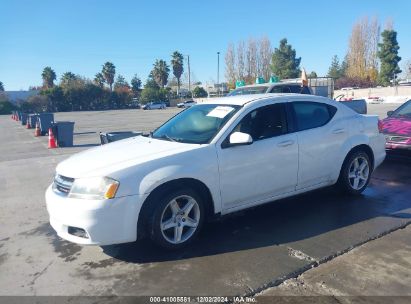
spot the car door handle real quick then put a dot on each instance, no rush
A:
(286, 143)
(338, 131)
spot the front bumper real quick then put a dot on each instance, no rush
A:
(396, 146)
(105, 222)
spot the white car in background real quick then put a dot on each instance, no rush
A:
(186, 104)
(215, 158)
(154, 105)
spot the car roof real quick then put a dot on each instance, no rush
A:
(241, 100)
(270, 84)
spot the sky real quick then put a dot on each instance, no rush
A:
(80, 35)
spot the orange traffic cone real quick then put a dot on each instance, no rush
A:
(28, 126)
(37, 130)
(52, 140)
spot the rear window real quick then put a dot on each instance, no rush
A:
(309, 115)
(288, 89)
(248, 91)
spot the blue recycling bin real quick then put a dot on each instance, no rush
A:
(23, 119)
(45, 120)
(33, 119)
(64, 133)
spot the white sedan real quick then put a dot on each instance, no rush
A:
(186, 104)
(212, 159)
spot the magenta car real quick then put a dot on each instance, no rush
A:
(397, 128)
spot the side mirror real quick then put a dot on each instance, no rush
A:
(239, 138)
(389, 113)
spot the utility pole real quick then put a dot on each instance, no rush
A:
(218, 73)
(189, 79)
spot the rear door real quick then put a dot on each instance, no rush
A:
(319, 138)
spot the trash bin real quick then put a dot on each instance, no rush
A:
(33, 120)
(109, 137)
(23, 119)
(45, 120)
(19, 115)
(65, 132)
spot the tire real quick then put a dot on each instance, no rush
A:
(168, 211)
(355, 173)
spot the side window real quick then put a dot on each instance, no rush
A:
(309, 115)
(264, 122)
(280, 89)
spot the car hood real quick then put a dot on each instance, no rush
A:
(119, 155)
(397, 125)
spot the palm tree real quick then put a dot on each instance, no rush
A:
(48, 76)
(109, 71)
(160, 72)
(67, 78)
(178, 69)
(99, 80)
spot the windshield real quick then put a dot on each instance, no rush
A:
(404, 110)
(198, 124)
(248, 91)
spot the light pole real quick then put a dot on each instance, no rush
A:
(189, 76)
(218, 73)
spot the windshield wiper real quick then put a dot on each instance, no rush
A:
(165, 136)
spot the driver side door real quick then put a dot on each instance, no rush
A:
(252, 174)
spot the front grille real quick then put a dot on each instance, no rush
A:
(62, 184)
(397, 139)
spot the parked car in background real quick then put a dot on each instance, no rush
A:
(154, 105)
(320, 88)
(397, 128)
(215, 158)
(186, 104)
(277, 87)
(358, 105)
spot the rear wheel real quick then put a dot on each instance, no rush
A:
(177, 219)
(355, 173)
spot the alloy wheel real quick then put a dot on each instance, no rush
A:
(180, 219)
(358, 172)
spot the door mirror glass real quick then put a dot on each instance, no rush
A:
(389, 113)
(240, 138)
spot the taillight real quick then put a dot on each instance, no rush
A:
(380, 125)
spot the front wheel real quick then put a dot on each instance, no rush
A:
(355, 173)
(177, 219)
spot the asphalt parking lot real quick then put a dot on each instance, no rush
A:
(241, 254)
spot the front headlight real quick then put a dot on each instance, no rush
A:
(96, 188)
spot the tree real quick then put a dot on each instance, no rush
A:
(151, 83)
(313, 74)
(178, 68)
(1, 87)
(335, 69)
(266, 53)
(109, 72)
(251, 65)
(121, 83)
(240, 71)
(284, 62)
(362, 51)
(67, 79)
(135, 85)
(388, 54)
(199, 92)
(48, 76)
(230, 65)
(160, 72)
(99, 80)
